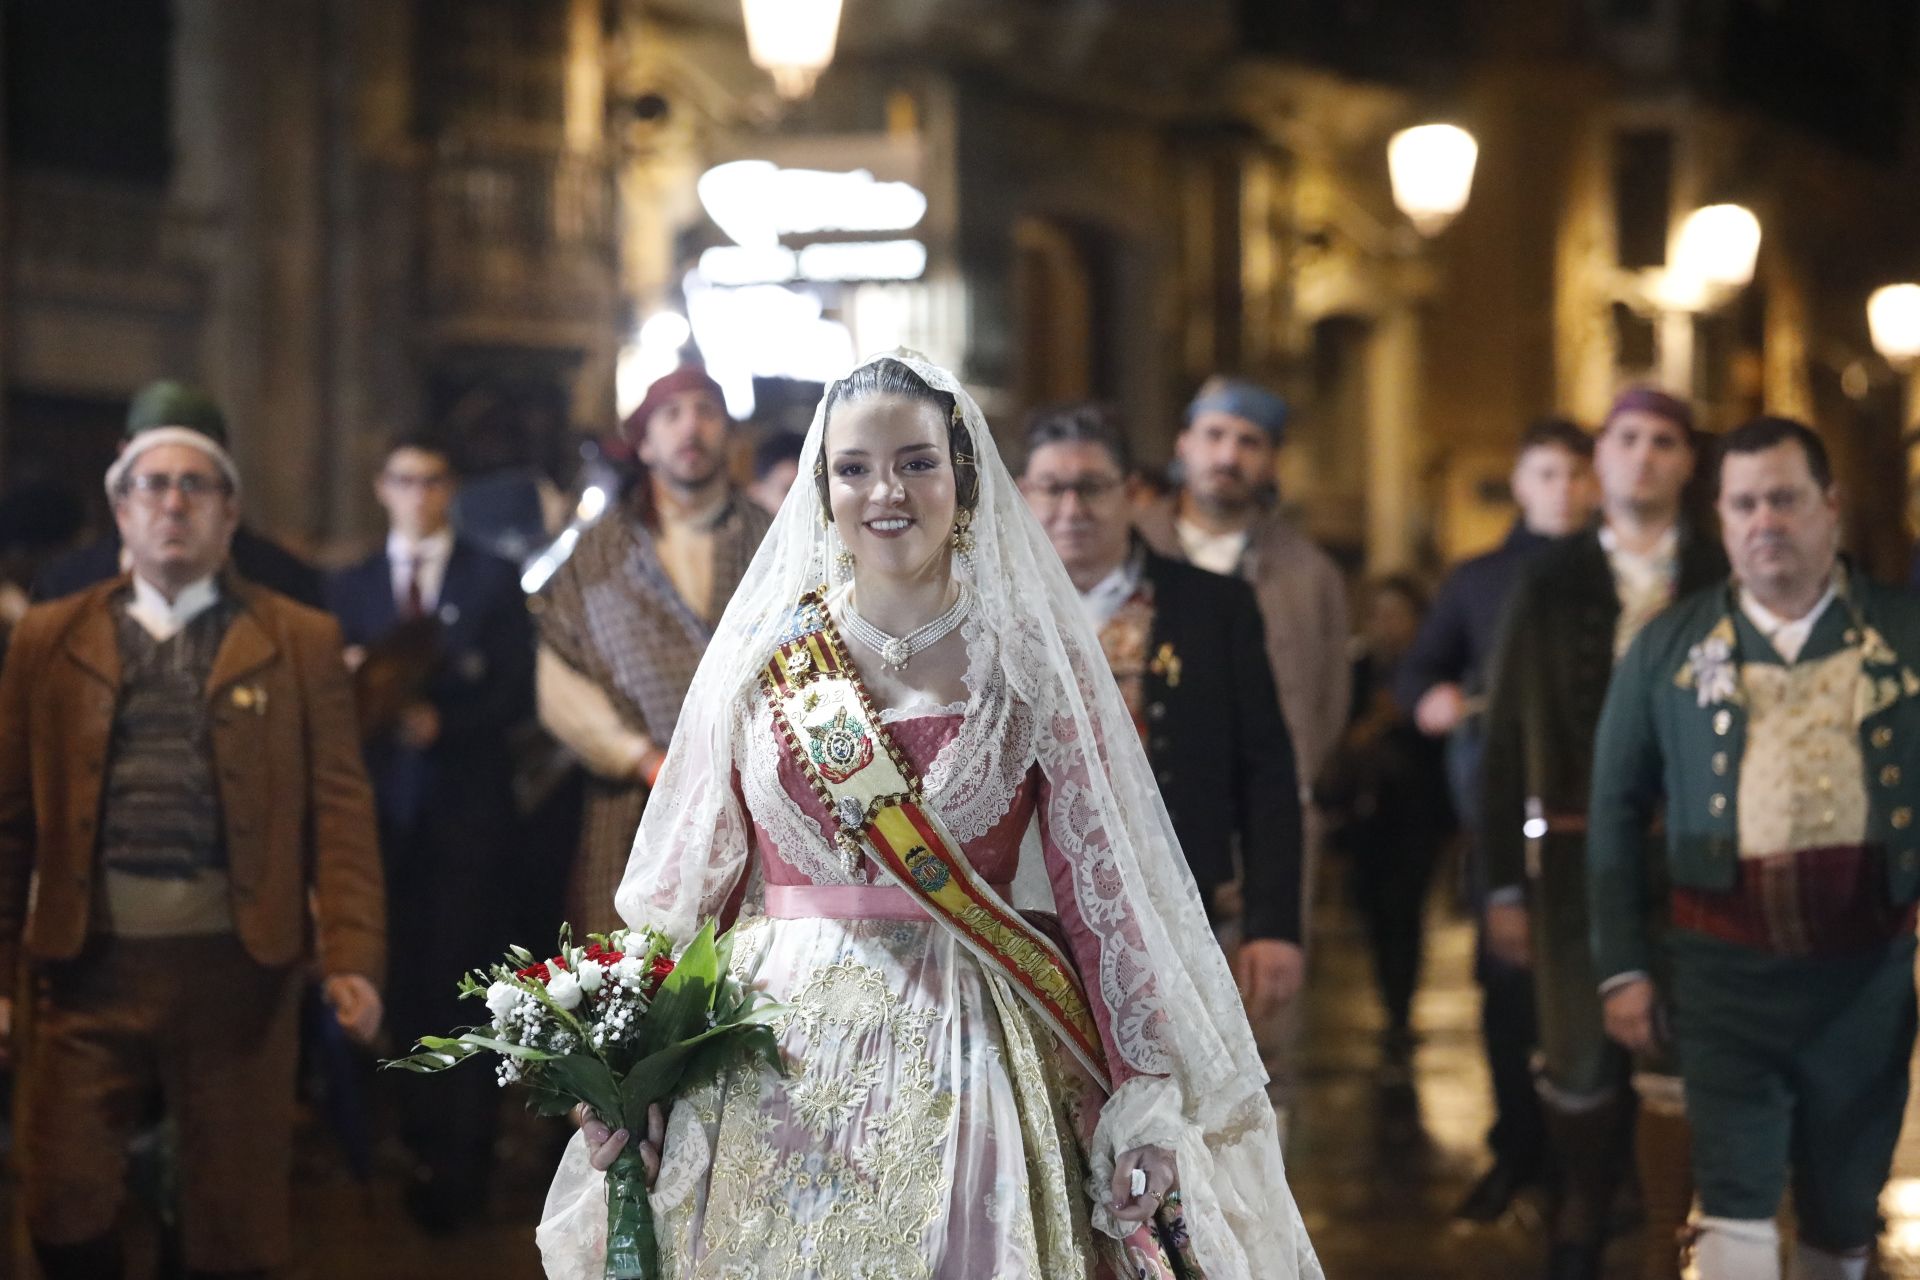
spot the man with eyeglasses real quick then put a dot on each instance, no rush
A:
(186, 831)
(1188, 649)
(445, 621)
(167, 403)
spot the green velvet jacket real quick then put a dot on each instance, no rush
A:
(1661, 742)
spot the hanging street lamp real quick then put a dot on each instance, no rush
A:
(1431, 166)
(1717, 247)
(1893, 318)
(792, 40)
(1710, 260)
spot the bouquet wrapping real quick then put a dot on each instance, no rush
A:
(619, 1024)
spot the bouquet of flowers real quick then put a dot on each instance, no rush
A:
(619, 1024)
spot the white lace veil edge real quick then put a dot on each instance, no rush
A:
(1174, 1008)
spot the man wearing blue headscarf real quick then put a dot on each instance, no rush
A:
(1223, 518)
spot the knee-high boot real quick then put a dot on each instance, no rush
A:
(1662, 1147)
(1590, 1147)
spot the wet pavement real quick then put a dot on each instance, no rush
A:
(1377, 1158)
(1378, 1163)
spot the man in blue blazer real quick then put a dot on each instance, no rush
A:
(442, 626)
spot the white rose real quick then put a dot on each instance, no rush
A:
(592, 974)
(502, 999)
(565, 990)
(628, 969)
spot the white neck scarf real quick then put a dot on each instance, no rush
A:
(163, 619)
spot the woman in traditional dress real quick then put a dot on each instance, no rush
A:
(903, 731)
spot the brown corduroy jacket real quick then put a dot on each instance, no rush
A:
(302, 849)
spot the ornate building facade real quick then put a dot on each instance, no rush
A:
(351, 218)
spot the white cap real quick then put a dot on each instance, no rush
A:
(153, 438)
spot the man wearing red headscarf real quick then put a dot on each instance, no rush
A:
(624, 621)
(1575, 610)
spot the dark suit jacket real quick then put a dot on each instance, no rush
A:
(1459, 633)
(302, 854)
(1218, 744)
(253, 557)
(482, 686)
(1547, 682)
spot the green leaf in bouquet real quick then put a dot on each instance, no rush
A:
(434, 1053)
(761, 1015)
(679, 1009)
(763, 1043)
(655, 1078)
(587, 1079)
(673, 1070)
(701, 959)
(739, 1042)
(438, 1053)
(543, 1100)
(507, 1047)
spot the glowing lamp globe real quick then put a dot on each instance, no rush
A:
(1893, 317)
(792, 40)
(1431, 166)
(1717, 247)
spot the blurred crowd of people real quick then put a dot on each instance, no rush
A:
(250, 811)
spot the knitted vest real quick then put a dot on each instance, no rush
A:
(161, 845)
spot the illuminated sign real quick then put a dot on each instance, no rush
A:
(828, 262)
(756, 202)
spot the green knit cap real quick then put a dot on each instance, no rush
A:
(167, 403)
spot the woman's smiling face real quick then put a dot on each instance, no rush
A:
(890, 484)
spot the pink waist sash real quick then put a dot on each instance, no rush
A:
(850, 902)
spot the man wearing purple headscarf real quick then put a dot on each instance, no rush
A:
(1576, 609)
(1222, 519)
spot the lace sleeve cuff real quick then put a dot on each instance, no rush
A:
(1146, 1111)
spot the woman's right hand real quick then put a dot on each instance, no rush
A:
(604, 1145)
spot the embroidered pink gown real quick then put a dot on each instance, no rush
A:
(927, 1126)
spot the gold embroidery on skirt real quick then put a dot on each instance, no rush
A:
(773, 1214)
(1051, 1226)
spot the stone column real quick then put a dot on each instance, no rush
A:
(1393, 438)
(250, 83)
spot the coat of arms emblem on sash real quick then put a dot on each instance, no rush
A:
(840, 748)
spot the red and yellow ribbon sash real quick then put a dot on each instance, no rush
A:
(828, 721)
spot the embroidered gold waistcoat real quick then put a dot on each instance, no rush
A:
(1802, 779)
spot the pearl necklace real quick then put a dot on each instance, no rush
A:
(897, 651)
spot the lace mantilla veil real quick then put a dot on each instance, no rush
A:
(1040, 684)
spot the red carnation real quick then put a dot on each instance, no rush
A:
(662, 966)
(537, 970)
